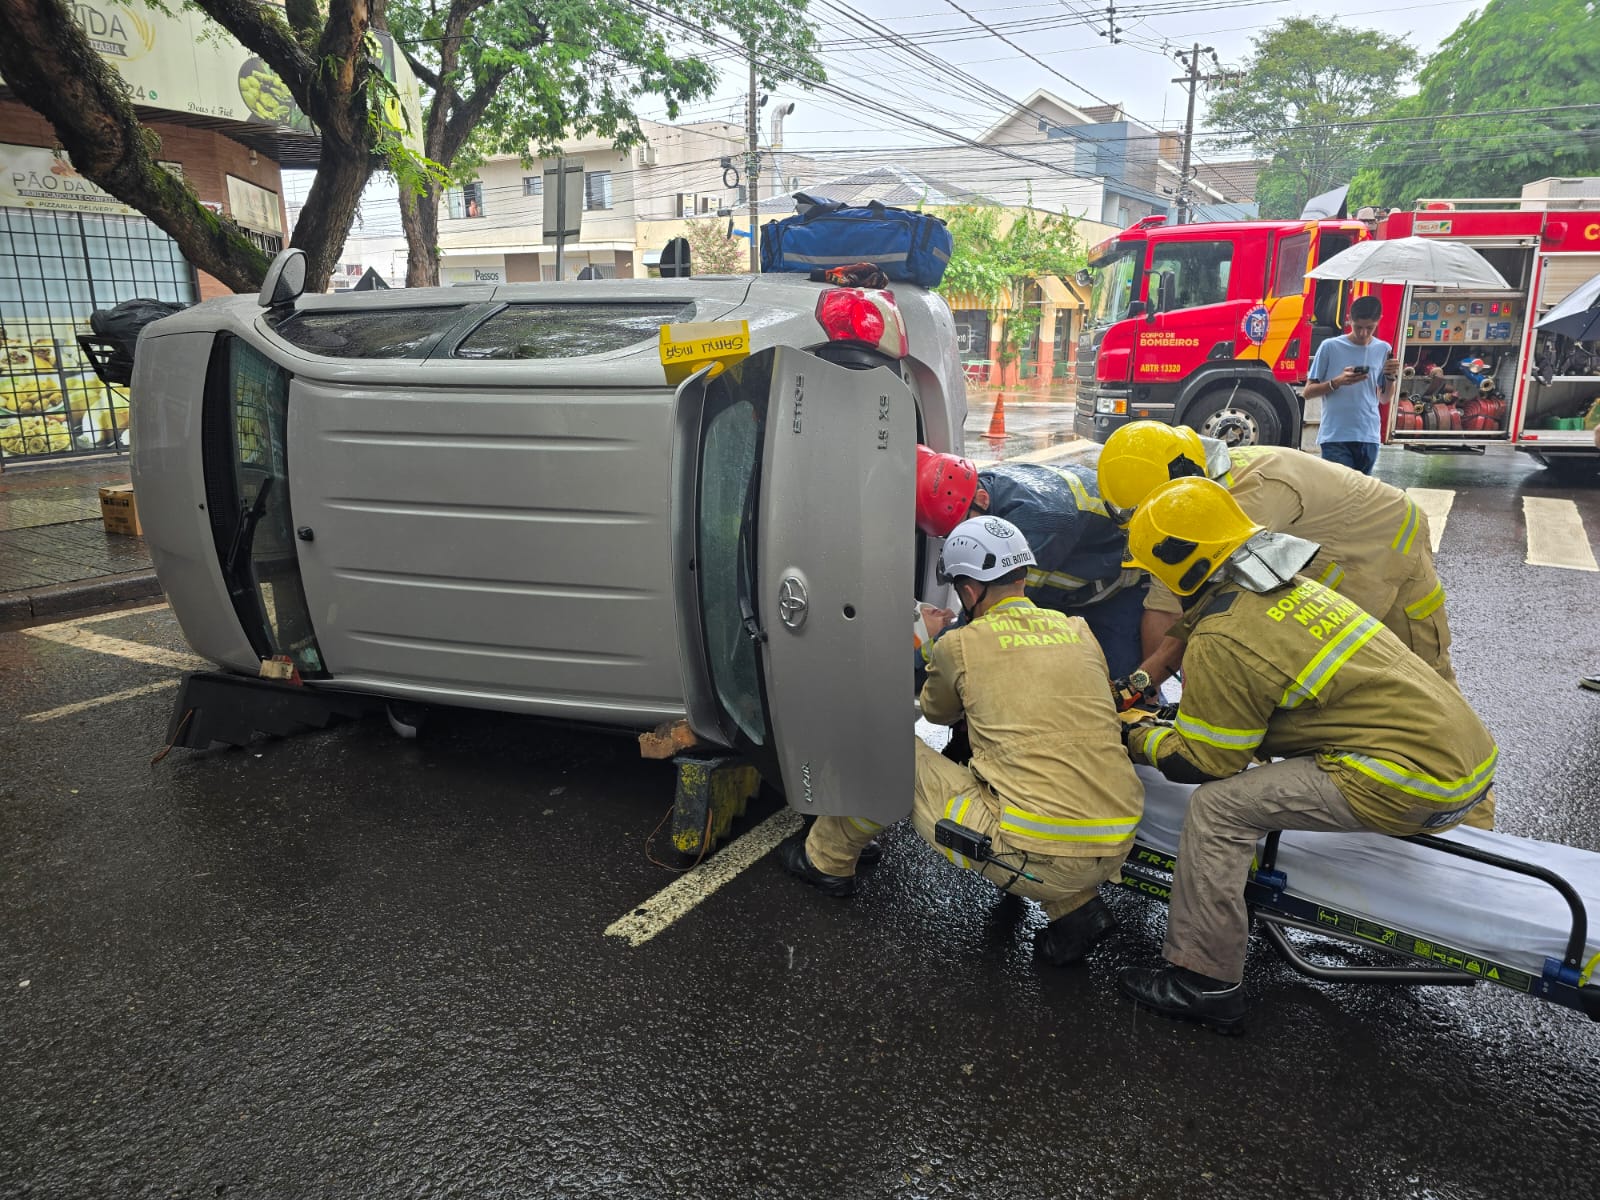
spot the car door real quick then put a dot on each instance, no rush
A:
(801, 562)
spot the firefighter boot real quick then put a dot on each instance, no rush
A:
(871, 854)
(1069, 937)
(1187, 995)
(792, 854)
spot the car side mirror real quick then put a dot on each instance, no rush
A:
(285, 280)
(1138, 308)
(1084, 277)
(1166, 285)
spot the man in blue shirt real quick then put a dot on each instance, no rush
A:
(1352, 374)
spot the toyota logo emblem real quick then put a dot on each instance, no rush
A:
(792, 603)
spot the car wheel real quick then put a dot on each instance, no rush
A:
(406, 719)
(1237, 416)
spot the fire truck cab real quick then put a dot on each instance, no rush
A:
(1210, 325)
(1475, 368)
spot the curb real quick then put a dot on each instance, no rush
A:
(20, 610)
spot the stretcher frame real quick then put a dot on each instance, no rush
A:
(1148, 871)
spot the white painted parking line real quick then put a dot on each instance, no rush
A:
(105, 616)
(74, 635)
(1556, 536)
(682, 894)
(67, 710)
(1437, 503)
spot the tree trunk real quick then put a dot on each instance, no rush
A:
(419, 216)
(324, 224)
(47, 61)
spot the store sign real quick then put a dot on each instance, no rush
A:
(35, 177)
(254, 207)
(184, 63)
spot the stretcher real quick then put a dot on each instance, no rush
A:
(1457, 908)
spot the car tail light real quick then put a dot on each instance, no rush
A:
(866, 316)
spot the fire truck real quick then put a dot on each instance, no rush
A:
(1475, 369)
(1210, 325)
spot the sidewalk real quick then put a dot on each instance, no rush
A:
(56, 558)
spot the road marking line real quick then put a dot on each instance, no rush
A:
(105, 616)
(67, 710)
(85, 639)
(1437, 503)
(679, 897)
(1556, 537)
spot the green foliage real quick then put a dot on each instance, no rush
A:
(515, 74)
(1305, 77)
(712, 252)
(986, 264)
(1515, 54)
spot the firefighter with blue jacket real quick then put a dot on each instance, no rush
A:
(1078, 546)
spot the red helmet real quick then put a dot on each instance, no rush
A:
(946, 484)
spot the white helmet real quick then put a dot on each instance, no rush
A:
(983, 548)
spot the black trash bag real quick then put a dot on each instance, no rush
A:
(116, 333)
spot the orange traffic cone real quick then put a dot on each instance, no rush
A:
(997, 422)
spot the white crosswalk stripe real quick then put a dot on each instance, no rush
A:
(1556, 537)
(1555, 530)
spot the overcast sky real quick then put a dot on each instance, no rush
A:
(1058, 46)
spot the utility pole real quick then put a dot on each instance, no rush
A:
(1192, 79)
(752, 164)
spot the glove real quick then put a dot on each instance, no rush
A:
(1130, 691)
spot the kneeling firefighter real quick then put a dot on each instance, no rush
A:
(1050, 798)
(1279, 665)
(1077, 546)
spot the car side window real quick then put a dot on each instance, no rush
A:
(1198, 270)
(368, 333)
(569, 330)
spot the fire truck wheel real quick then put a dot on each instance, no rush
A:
(1238, 416)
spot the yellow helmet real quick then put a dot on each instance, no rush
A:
(1141, 456)
(1185, 530)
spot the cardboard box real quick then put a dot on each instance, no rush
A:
(120, 510)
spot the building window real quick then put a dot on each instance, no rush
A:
(465, 201)
(597, 190)
(55, 269)
(533, 185)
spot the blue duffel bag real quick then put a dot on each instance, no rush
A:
(907, 246)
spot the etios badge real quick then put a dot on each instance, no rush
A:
(792, 602)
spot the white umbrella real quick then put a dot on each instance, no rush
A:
(1578, 316)
(1425, 262)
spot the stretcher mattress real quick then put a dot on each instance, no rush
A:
(1468, 906)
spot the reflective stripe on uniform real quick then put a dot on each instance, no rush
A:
(1152, 745)
(1020, 821)
(1408, 528)
(956, 810)
(864, 825)
(1086, 502)
(1326, 664)
(1422, 785)
(1332, 577)
(1196, 730)
(1055, 579)
(1427, 605)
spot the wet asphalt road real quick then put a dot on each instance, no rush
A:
(347, 965)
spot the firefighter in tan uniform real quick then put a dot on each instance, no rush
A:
(1049, 781)
(1374, 540)
(1279, 665)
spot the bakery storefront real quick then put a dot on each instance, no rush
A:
(67, 248)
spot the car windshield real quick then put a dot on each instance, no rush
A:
(730, 460)
(1114, 285)
(569, 330)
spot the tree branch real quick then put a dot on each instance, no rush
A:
(47, 61)
(464, 117)
(420, 69)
